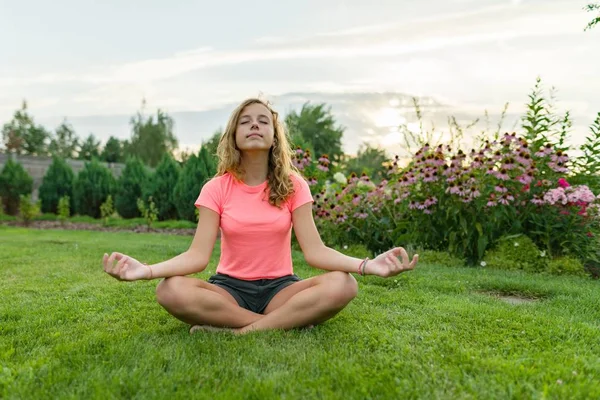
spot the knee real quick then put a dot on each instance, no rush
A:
(168, 291)
(343, 288)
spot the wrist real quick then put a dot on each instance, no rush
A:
(150, 276)
(362, 266)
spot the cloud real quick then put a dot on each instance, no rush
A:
(425, 35)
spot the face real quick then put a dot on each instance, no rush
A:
(255, 128)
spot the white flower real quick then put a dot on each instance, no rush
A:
(339, 177)
(543, 253)
(345, 247)
(483, 263)
(516, 244)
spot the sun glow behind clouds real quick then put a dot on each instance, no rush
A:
(388, 117)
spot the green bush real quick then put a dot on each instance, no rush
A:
(440, 258)
(14, 182)
(58, 182)
(149, 212)
(130, 187)
(355, 250)
(29, 210)
(516, 252)
(107, 209)
(64, 210)
(195, 174)
(566, 265)
(93, 185)
(162, 187)
(46, 216)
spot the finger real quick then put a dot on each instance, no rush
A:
(119, 256)
(111, 260)
(104, 262)
(115, 266)
(405, 259)
(414, 262)
(119, 266)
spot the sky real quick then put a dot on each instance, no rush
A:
(83, 59)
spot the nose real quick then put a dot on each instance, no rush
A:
(254, 126)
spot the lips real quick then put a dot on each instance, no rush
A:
(253, 134)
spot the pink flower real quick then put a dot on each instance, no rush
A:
(544, 151)
(508, 164)
(429, 178)
(563, 183)
(491, 203)
(537, 201)
(558, 167)
(430, 201)
(580, 195)
(554, 196)
(525, 178)
(560, 157)
(502, 175)
(501, 188)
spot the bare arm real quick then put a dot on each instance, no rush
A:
(315, 252)
(320, 256)
(193, 260)
(196, 258)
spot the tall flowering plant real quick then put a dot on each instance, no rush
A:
(314, 171)
(463, 202)
(355, 210)
(566, 221)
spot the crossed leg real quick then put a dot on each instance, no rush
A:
(303, 303)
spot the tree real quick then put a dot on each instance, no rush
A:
(591, 8)
(152, 138)
(93, 185)
(65, 142)
(162, 187)
(22, 136)
(368, 160)
(212, 144)
(130, 188)
(14, 182)
(112, 151)
(316, 125)
(195, 174)
(90, 148)
(58, 182)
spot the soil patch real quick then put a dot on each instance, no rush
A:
(98, 227)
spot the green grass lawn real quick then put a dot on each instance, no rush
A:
(68, 330)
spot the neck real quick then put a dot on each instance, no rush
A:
(256, 167)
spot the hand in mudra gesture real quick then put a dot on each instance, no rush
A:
(387, 264)
(126, 268)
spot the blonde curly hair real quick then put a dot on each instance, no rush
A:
(280, 169)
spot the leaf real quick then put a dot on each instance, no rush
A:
(482, 243)
(479, 229)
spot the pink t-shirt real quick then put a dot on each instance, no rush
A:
(255, 236)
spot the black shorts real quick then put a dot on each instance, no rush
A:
(253, 295)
